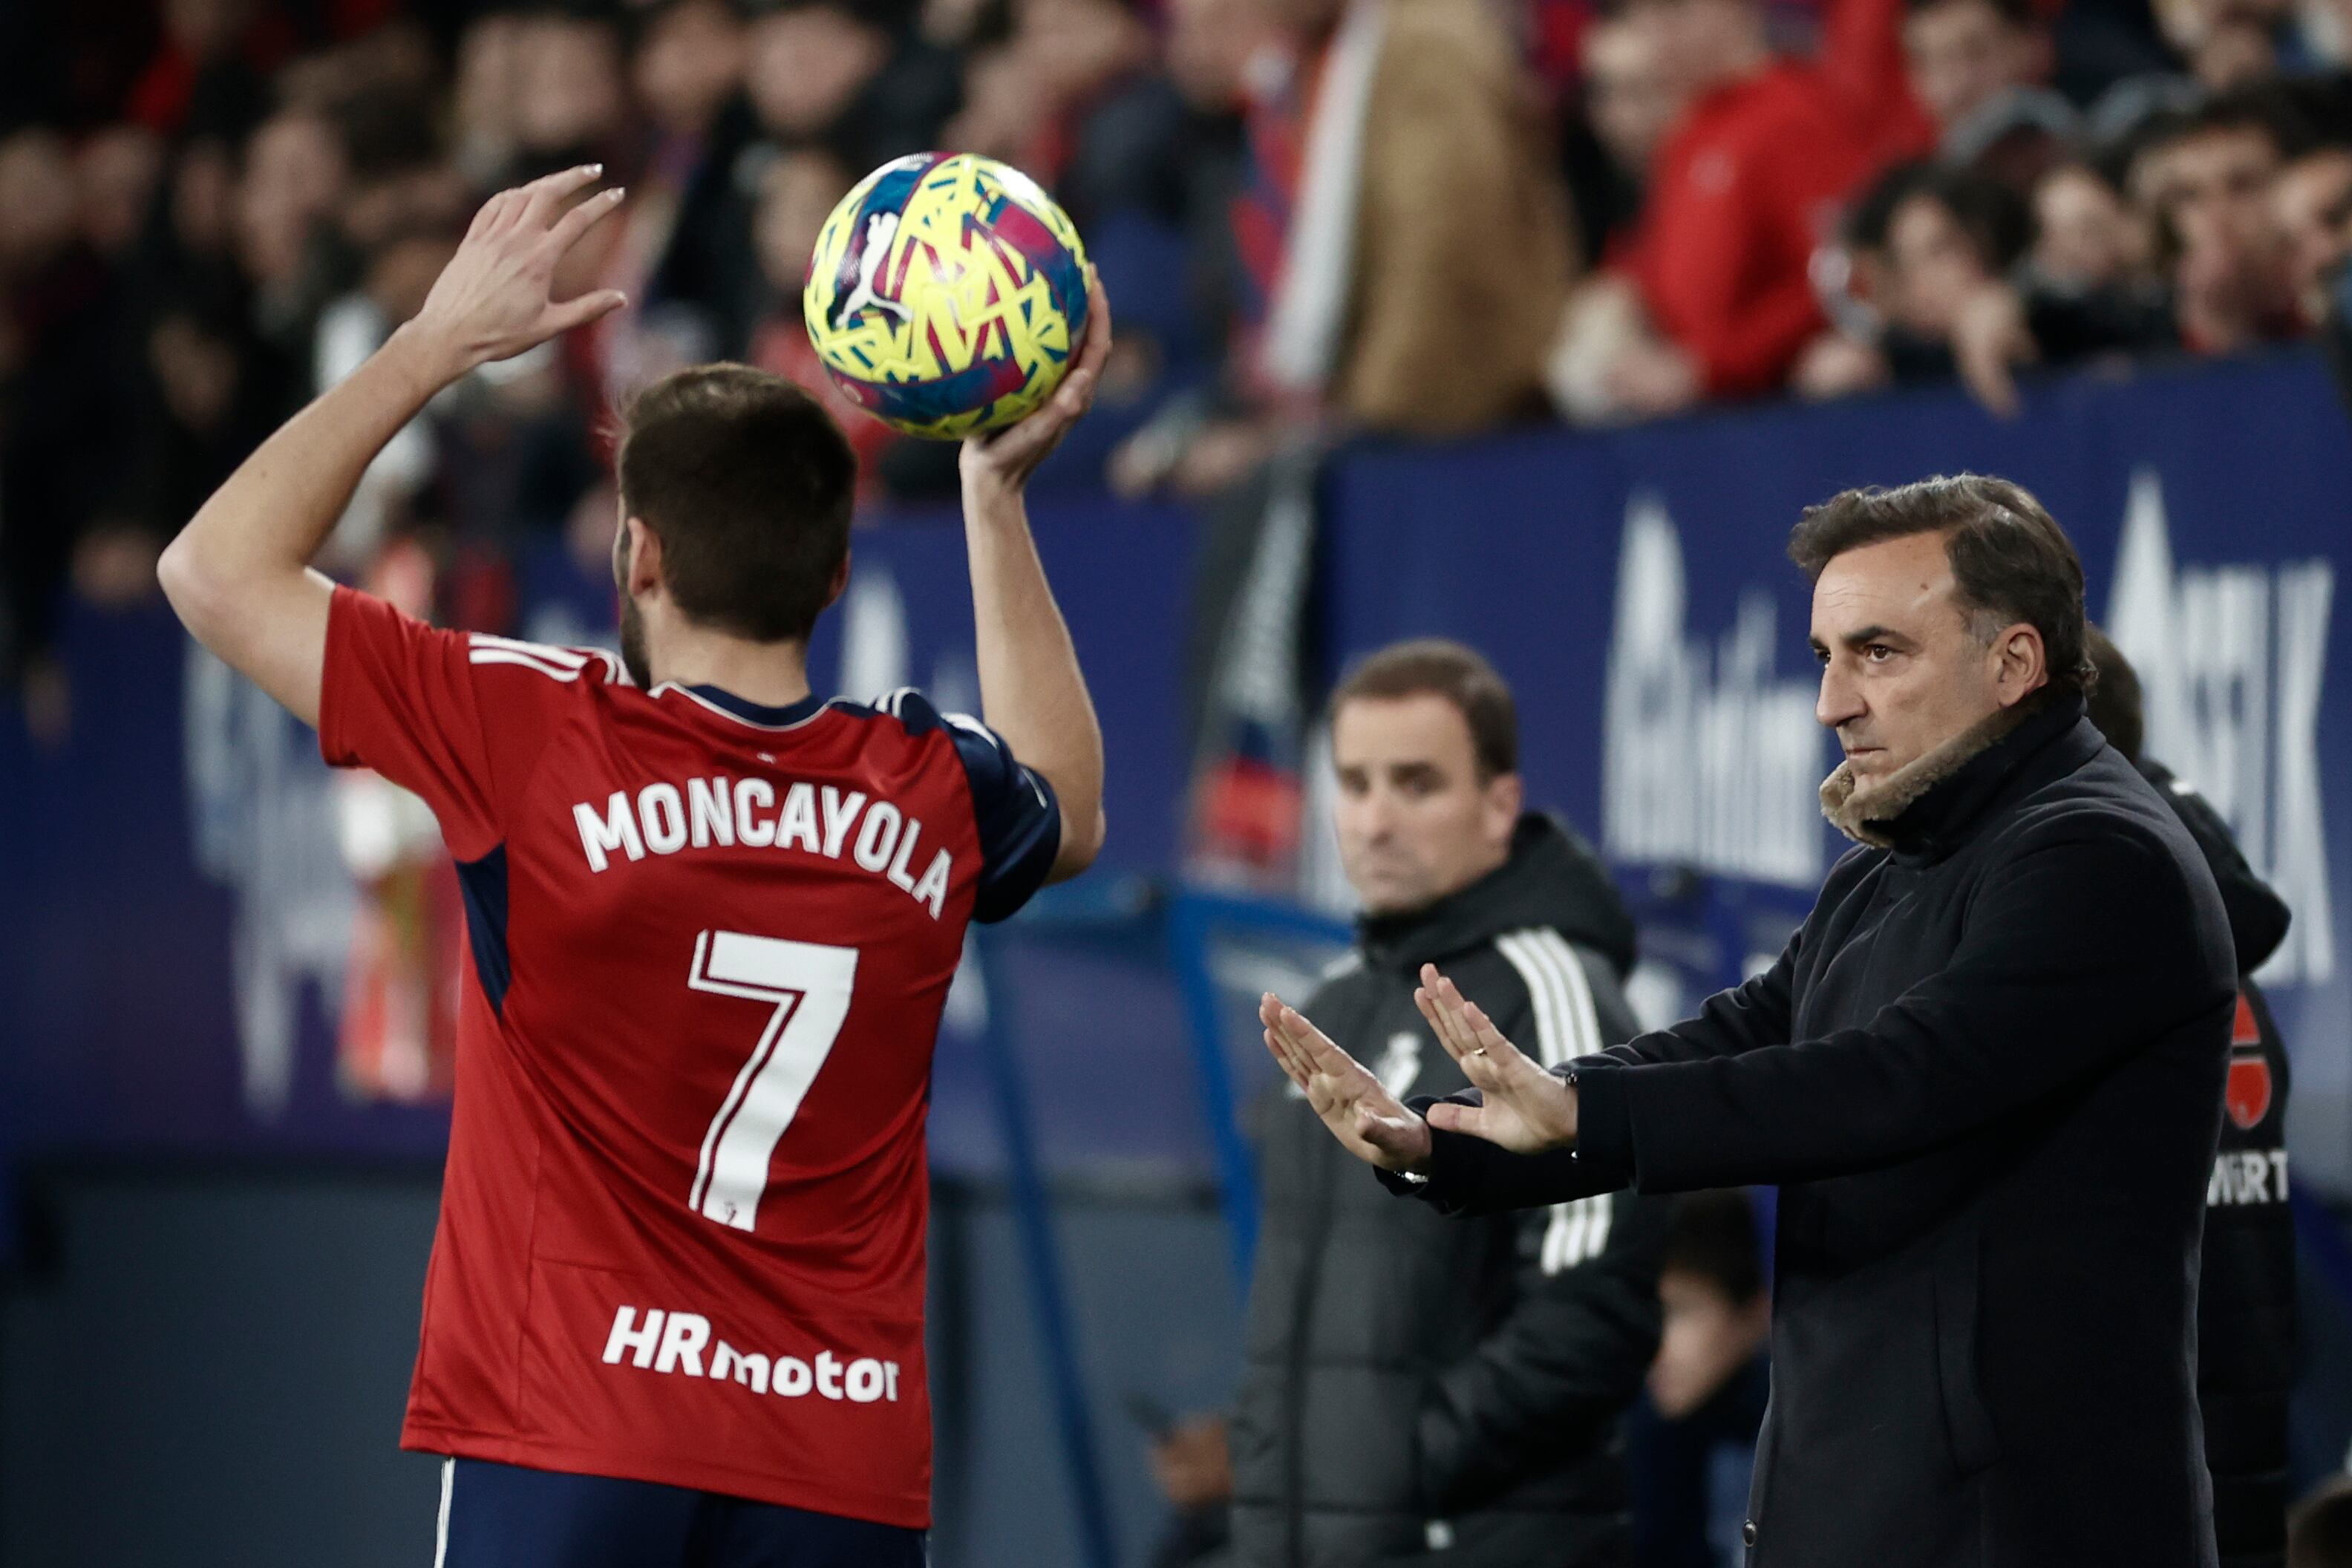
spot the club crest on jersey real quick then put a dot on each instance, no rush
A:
(2248, 1092)
(662, 819)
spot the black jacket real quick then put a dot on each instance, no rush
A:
(1987, 1073)
(2245, 1294)
(1416, 1385)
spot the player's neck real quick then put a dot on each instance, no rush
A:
(773, 674)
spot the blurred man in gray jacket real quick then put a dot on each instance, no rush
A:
(1419, 1388)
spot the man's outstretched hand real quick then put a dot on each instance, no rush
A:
(1368, 1121)
(1004, 459)
(496, 297)
(1526, 1108)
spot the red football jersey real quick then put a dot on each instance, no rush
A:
(682, 1230)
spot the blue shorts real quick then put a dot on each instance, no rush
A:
(504, 1516)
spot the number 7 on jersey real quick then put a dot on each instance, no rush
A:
(809, 985)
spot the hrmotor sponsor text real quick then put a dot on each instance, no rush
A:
(673, 1344)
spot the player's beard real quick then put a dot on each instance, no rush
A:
(633, 645)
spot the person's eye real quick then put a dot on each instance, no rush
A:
(1878, 653)
(1822, 656)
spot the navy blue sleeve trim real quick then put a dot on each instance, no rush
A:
(1014, 809)
(483, 884)
(1019, 819)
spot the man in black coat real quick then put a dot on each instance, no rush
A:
(1418, 1389)
(1987, 1074)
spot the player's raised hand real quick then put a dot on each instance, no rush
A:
(496, 297)
(1526, 1108)
(1370, 1123)
(1005, 458)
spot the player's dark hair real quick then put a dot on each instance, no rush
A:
(2011, 560)
(2116, 705)
(1441, 668)
(1711, 1235)
(748, 483)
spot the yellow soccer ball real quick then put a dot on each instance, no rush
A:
(947, 294)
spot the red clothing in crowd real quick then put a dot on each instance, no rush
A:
(165, 88)
(1751, 181)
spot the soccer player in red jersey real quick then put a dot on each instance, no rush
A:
(674, 1314)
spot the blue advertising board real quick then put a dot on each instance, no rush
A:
(175, 915)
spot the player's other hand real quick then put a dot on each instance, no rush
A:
(1369, 1122)
(1004, 459)
(1523, 1107)
(496, 297)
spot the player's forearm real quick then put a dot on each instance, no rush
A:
(1032, 690)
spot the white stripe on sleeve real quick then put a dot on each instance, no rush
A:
(1584, 1018)
(528, 662)
(1545, 996)
(1567, 1025)
(570, 658)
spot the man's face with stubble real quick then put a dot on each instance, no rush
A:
(1906, 664)
(1417, 819)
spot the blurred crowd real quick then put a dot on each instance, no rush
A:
(1315, 216)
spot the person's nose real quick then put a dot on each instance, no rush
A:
(1378, 821)
(1839, 701)
(1358, 817)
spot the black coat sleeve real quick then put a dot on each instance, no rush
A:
(1569, 1352)
(2078, 948)
(1730, 1022)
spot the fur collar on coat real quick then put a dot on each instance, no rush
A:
(1867, 813)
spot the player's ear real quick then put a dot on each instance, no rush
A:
(642, 571)
(840, 584)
